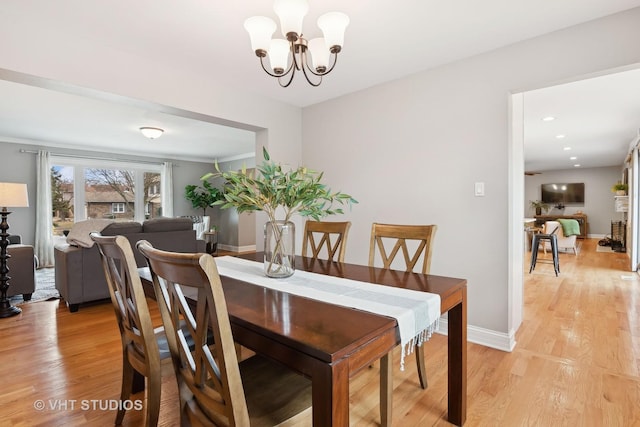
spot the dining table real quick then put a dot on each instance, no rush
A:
(330, 343)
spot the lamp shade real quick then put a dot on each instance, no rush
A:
(151, 133)
(279, 55)
(291, 14)
(13, 195)
(333, 25)
(319, 54)
(260, 29)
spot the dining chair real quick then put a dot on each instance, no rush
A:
(214, 388)
(323, 231)
(383, 235)
(142, 344)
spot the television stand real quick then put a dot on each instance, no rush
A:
(581, 218)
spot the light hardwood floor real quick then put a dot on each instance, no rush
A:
(576, 362)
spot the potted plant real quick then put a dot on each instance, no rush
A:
(539, 206)
(202, 197)
(273, 190)
(620, 189)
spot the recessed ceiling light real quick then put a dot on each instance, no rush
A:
(567, 148)
(573, 158)
(560, 136)
(548, 119)
(577, 165)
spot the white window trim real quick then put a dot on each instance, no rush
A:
(118, 205)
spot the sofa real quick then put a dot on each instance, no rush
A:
(79, 275)
(21, 270)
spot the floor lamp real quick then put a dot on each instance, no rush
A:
(12, 195)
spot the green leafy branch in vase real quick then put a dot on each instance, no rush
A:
(271, 189)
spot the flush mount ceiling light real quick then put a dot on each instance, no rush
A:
(548, 119)
(151, 133)
(291, 55)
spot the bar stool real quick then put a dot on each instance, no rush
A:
(535, 243)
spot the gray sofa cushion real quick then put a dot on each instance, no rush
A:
(79, 274)
(167, 224)
(118, 228)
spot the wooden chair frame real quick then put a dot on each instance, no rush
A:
(339, 230)
(140, 350)
(424, 234)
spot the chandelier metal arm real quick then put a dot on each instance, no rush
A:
(305, 66)
(293, 73)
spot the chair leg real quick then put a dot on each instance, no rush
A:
(154, 383)
(127, 385)
(534, 253)
(422, 371)
(386, 390)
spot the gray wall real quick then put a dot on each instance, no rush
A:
(21, 167)
(411, 150)
(598, 203)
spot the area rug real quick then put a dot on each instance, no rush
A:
(45, 288)
(606, 249)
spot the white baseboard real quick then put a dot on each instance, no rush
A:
(485, 337)
(231, 248)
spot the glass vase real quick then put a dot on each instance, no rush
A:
(279, 248)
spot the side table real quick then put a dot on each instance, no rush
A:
(211, 241)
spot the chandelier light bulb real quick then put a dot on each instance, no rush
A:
(279, 55)
(319, 54)
(291, 14)
(260, 29)
(333, 26)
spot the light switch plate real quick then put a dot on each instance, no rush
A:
(479, 189)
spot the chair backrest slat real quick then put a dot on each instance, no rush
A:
(423, 234)
(325, 229)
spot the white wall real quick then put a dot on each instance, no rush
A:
(411, 150)
(599, 203)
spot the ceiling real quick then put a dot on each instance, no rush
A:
(209, 38)
(595, 120)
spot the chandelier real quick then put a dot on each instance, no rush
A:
(291, 55)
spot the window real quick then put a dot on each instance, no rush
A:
(117, 208)
(62, 190)
(86, 188)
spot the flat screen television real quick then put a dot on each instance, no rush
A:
(563, 193)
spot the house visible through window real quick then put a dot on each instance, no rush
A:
(85, 189)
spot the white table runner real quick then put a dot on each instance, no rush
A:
(416, 312)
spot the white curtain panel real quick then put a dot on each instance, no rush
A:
(44, 221)
(166, 188)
